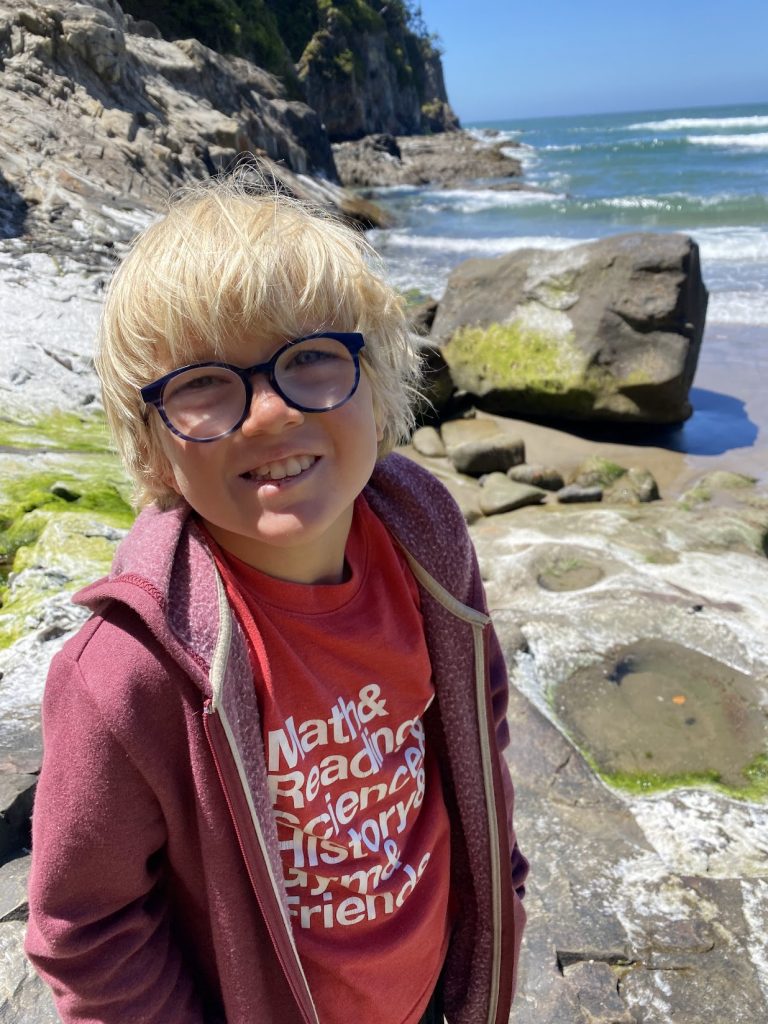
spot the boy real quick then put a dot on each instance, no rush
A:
(272, 788)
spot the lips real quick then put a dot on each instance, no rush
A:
(281, 469)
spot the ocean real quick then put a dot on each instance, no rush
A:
(701, 171)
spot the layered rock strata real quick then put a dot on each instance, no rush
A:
(100, 118)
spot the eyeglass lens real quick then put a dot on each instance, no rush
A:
(206, 401)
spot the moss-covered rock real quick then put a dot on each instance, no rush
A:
(60, 519)
(602, 330)
(57, 431)
(71, 550)
(597, 470)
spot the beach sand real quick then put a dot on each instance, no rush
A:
(727, 431)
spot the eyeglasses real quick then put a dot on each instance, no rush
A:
(206, 401)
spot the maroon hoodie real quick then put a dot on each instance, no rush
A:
(156, 891)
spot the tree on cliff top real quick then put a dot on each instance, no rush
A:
(315, 47)
(246, 28)
(272, 33)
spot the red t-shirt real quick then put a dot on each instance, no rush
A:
(357, 798)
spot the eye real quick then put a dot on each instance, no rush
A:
(199, 383)
(307, 357)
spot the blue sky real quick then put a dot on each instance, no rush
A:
(534, 58)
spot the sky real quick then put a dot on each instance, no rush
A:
(535, 58)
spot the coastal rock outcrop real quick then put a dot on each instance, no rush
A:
(602, 330)
(451, 159)
(365, 70)
(102, 116)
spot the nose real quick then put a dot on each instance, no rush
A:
(268, 412)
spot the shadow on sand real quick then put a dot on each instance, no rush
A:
(719, 424)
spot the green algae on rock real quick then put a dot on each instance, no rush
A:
(598, 470)
(57, 431)
(533, 366)
(60, 519)
(72, 549)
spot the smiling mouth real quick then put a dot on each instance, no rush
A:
(281, 469)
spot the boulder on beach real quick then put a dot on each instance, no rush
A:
(606, 330)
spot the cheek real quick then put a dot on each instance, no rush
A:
(171, 463)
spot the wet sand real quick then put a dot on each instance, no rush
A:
(728, 429)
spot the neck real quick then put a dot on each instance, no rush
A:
(320, 561)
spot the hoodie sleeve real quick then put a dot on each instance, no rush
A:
(99, 932)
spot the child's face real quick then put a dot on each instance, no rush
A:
(294, 527)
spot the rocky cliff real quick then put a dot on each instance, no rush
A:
(367, 71)
(103, 116)
(362, 65)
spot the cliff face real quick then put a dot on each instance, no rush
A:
(372, 74)
(363, 65)
(102, 115)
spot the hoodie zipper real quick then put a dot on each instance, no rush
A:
(485, 731)
(255, 866)
(478, 621)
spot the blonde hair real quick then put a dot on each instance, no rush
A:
(227, 262)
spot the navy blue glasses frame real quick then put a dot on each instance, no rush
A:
(152, 394)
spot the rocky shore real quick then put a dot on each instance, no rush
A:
(454, 159)
(646, 822)
(628, 587)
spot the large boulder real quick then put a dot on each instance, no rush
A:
(602, 330)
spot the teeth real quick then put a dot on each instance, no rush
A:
(291, 466)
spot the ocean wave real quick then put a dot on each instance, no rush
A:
(490, 136)
(744, 245)
(665, 204)
(471, 201)
(612, 145)
(723, 245)
(738, 307)
(757, 140)
(727, 205)
(676, 124)
(383, 240)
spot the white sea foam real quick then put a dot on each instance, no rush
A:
(490, 136)
(748, 308)
(756, 140)
(744, 244)
(477, 200)
(641, 202)
(468, 246)
(676, 124)
(527, 155)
